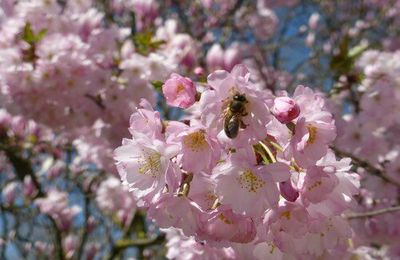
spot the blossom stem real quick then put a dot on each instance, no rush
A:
(271, 156)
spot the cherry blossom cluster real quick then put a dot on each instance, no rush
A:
(88, 77)
(371, 135)
(256, 168)
(56, 205)
(249, 184)
(16, 134)
(115, 201)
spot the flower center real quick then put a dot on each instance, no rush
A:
(315, 185)
(180, 88)
(286, 214)
(195, 141)
(224, 219)
(250, 182)
(312, 134)
(150, 164)
(210, 199)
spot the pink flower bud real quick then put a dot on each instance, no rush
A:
(215, 58)
(285, 109)
(29, 187)
(5, 118)
(313, 21)
(179, 91)
(18, 125)
(232, 57)
(287, 191)
(310, 39)
(10, 192)
(91, 251)
(199, 71)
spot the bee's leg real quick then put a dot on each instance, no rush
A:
(242, 124)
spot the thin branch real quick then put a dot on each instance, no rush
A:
(4, 235)
(140, 243)
(373, 213)
(97, 100)
(366, 165)
(22, 168)
(85, 231)
(122, 244)
(58, 239)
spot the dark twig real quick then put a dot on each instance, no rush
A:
(141, 243)
(97, 100)
(22, 168)
(373, 213)
(366, 165)
(85, 231)
(57, 239)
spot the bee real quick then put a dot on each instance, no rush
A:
(233, 115)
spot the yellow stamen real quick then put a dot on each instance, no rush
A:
(224, 219)
(312, 134)
(180, 88)
(250, 182)
(286, 214)
(150, 164)
(315, 185)
(195, 141)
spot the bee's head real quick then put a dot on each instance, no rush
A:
(239, 97)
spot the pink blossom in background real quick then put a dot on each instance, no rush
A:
(179, 91)
(56, 205)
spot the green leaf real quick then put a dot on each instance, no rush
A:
(29, 36)
(157, 84)
(356, 51)
(341, 63)
(40, 35)
(144, 43)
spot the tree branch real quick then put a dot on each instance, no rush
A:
(22, 167)
(366, 165)
(373, 213)
(85, 231)
(58, 239)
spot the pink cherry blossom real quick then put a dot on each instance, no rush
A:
(179, 91)
(144, 164)
(56, 205)
(247, 188)
(214, 104)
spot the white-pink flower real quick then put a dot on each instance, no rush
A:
(247, 188)
(145, 165)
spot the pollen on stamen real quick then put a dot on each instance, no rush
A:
(210, 199)
(195, 141)
(312, 131)
(150, 164)
(250, 182)
(180, 88)
(224, 219)
(315, 185)
(286, 214)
